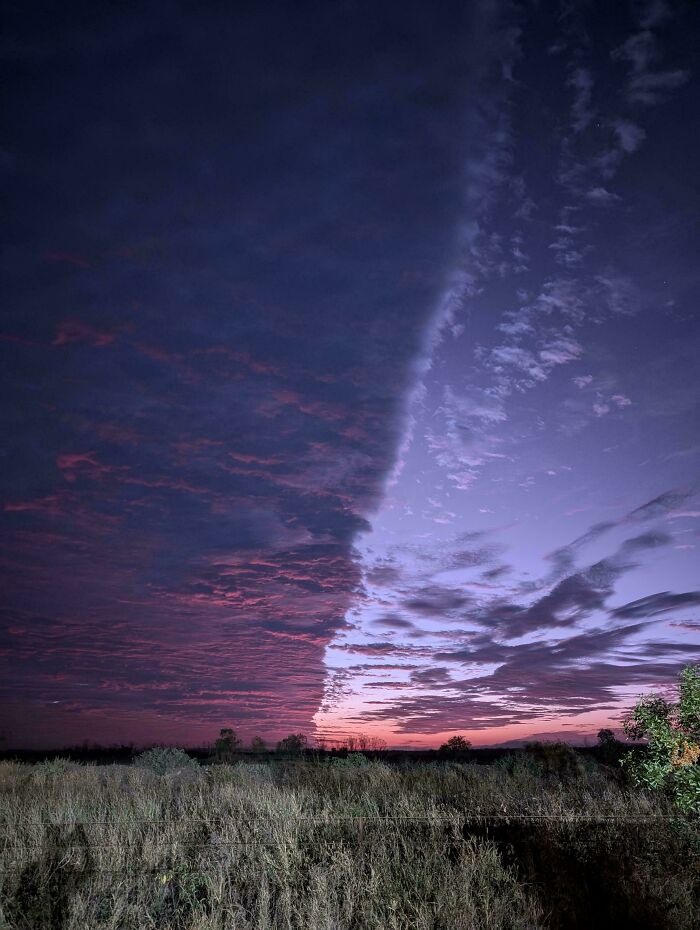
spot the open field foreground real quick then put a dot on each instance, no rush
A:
(341, 845)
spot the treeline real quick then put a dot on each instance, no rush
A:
(229, 744)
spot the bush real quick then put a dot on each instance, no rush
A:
(57, 767)
(669, 763)
(558, 760)
(456, 744)
(353, 760)
(162, 760)
(518, 765)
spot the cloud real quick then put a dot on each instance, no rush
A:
(435, 600)
(659, 603)
(69, 258)
(641, 51)
(663, 504)
(560, 352)
(581, 80)
(629, 135)
(208, 383)
(650, 88)
(76, 331)
(574, 598)
(394, 622)
(601, 196)
(649, 540)
(621, 400)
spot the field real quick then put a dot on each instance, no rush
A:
(548, 840)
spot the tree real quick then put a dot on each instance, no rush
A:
(456, 744)
(362, 742)
(258, 744)
(295, 742)
(377, 743)
(608, 748)
(226, 745)
(669, 762)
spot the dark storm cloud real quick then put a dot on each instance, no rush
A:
(234, 226)
(271, 266)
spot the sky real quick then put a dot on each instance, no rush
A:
(349, 368)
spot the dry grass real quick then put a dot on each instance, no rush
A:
(332, 847)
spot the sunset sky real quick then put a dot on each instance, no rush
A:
(349, 368)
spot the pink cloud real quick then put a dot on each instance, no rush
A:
(85, 464)
(75, 331)
(68, 258)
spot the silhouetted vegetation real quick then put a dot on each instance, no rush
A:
(258, 744)
(295, 743)
(455, 745)
(226, 745)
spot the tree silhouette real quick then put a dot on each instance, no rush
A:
(361, 742)
(258, 744)
(226, 745)
(456, 744)
(608, 747)
(295, 742)
(606, 736)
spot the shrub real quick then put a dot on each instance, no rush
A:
(353, 760)
(669, 763)
(57, 767)
(518, 765)
(162, 760)
(558, 760)
(456, 744)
